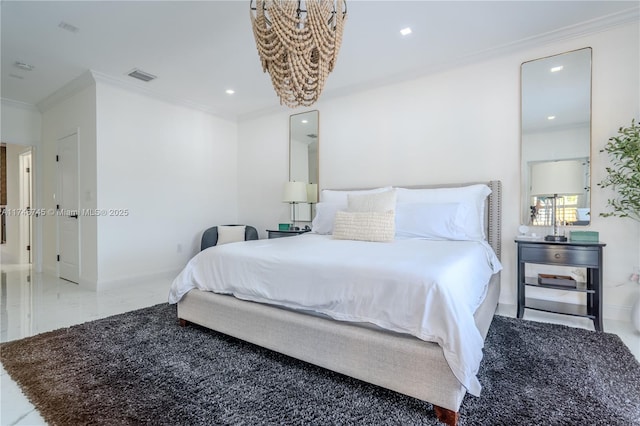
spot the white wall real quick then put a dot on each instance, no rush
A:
(456, 126)
(74, 113)
(21, 123)
(173, 169)
(263, 168)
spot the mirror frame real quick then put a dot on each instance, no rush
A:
(304, 211)
(525, 184)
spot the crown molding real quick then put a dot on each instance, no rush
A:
(18, 104)
(132, 87)
(91, 77)
(582, 29)
(76, 85)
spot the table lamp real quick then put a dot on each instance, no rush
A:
(294, 193)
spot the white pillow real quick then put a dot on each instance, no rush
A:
(341, 197)
(473, 196)
(364, 226)
(230, 234)
(442, 221)
(379, 202)
(325, 215)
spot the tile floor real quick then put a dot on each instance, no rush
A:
(32, 303)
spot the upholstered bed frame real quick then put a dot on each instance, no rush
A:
(395, 361)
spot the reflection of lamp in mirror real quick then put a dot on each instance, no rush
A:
(294, 193)
(312, 195)
(554, 178)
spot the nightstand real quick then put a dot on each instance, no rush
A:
(582, 255)
(287, 233)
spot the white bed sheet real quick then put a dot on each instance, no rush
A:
(429, 289)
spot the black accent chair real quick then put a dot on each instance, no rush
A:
(210, 236)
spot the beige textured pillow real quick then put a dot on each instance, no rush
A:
(364, 226)
(230, 234)
(380, 202)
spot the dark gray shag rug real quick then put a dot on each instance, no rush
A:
(142, 368)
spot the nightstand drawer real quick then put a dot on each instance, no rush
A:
(561, 255)
(280, 234)
(288, 233)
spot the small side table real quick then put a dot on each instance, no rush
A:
(288, 233)
(584, 255)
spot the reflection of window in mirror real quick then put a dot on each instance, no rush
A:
(556, 128)
(564, 180)
(303, 156)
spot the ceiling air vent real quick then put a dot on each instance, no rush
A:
(141, 75)
(68, 27)
(23, 66)
(312, 136)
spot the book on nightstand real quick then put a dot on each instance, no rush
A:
(561, 280)
(584, 236)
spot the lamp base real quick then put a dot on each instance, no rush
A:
(556, 238)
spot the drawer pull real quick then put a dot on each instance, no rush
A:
(557, 256)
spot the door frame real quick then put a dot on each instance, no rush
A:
(25, 190)
(36, 193)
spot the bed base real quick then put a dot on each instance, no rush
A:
(394, 361)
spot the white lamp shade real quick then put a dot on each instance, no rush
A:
(295, 192)
(557, 177)
(312, 193)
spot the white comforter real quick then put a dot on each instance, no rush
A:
(429, 289)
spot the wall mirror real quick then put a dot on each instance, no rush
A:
(556, 139)
(303, 159)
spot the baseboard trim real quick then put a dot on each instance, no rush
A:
(50, 270)
(103, 285)
(617, 312)
(610, 312)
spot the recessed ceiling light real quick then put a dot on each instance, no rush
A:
(23, 66)
(304, 121)
(556, 69)
(230, 91)
(68, 27)
(405, 31)
(551, 117)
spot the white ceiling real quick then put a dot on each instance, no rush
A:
(198, 49)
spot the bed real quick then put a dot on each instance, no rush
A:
(382, 353)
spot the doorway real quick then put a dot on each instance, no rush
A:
(16, 203)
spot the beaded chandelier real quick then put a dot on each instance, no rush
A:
(298, 44)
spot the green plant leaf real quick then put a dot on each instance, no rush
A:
(624, 174)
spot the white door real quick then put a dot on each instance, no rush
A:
(67, 205)
(26, 203)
